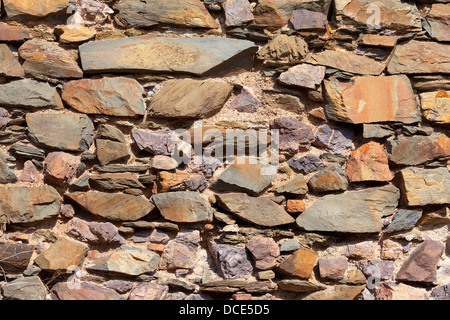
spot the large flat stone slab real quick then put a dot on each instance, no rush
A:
(198, 56)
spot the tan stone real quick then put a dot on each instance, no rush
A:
(372, 99)
(21, 9)
(9, 65)
(168, 180)
(368, 163)
(378, 41)
(436, 106)
(60, 168)
(64, 254)
(70, 34)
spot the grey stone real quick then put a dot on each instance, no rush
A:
(306, 164)
(237, 12)
(28, 288)
(29, 93)
(233, 262)
(351, 212)
(289, 245)
(293, 134)
(375, 130)
(404, 219)
(6, 174)
(379, 269)
(306, 20)
(303, 76)
(114, 181)
(182, 252)
(95, 232)
(154, 142)
(334, 138)
(299, 286)
(27, 152)
(297, 186)
(441, 292)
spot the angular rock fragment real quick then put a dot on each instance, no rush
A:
(303, 76)
(246, 101)
(378, 40)
(198, 56)
(9, 65)
(127, 260)
(284, 48)
(392, 15)
(336, 139)
(237, 12)
(264, 251)
(381, 269)
(44, 58)
(182, 252)
(113, 206)
(149, 291)
(22, 204)
(94, 232)
(74, 35)
(437, 22)
(333, 268)
(404, 219)
(15, 257)
(231, 286)
(114, 181)
(9, 33)
(64, 254)
(306, 20)
(421, 265)
(295, 186)
(356, 102)
(436, 106)
(299, 286)
(338, 292)
(233, 262)
(109, 96)
(260, 211)
(246, 177)
(154, 142)
(29, 93)
(68, 132)
(351, 212)
(60, 168)
(83, 291)
(441, 292)
(368, 163)
(30, 173)
(184, 206)
(109, 151)
(306, 164)
(299, 264)
(420, 57)
(332, 178)
(28, 288)
(6, 174)
(295, 206)
(187, 13)
(187, 98)
(418, 149)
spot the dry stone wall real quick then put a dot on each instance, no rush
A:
(102, 198)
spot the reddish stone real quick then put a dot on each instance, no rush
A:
(61, 168)
(333, 268)
(156, 247)
(12, 33)
(149, 291)
(30, 173)
(264, 251)
(368, 163)
(9, 65)
(242, 296)
(83, 291)
(421, 265)
(299, 264)
(295, 206)
(332, 178)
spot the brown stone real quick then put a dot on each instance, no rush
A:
(30, 173)
(113, 206)
(84, 291)
(299, 264)
(347, 61)
(28, 10)
(306, 20)
(372, 99)
(71, 34)
(436, 106)
(60, 168)
(332, 178)
(338, 292)
(111, 151)
(15, 257)
(420, 57)
(44, 58)
(168, 180)
(295, 206)
(284, 48)
(421, 265)
(378, 40)
(64, 254)
(149, 291)
(333, 268)
(9, 65)
(304, 76)
(264, 251)
(437, 22)
(368, 163)
(9, 33)
(182, 252)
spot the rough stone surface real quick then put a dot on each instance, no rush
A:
(27, 10)
(304, 76)
(336, 139)
(186, 55)
(264, 251)
(112, 206)
(421, 265)
(28, 288)
(95, 232)
(297, 186)
(237, 12)
(437, 22)
(68, 132)
(299, 264)
(84, 291)
(404, 219)
(260, 211)
(303, 20)
(13, 34)
(356, 102)
(9, 65)
(109, 96)
(436, 106)
(15, 257)
(333, 268)
(332, 178)
(61, 168)
(154, 142)
(185, 206)
(293, 134)
(233, 262)
(181, 253)
(352, 212)
(306, 164)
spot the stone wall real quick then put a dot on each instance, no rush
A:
(94, 204)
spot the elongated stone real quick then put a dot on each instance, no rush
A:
(372, 99)
(187, 13)
(113, 206)
(83, 291)
(13, 34)
(198, 56)
(351, 212)
(64, 254)
(28, 288)
(28, 10)
(22, 204)
(260, 211)
(404, 219)
(109, 96)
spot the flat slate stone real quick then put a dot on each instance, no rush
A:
(187, 13)
(198, 56)
(28, 10)
(13, 34)
(83, 291)
(351, 212)
(109, 96)
(355, 102)
(303, 20)
(420, 57)
(187, 98)
(404, 219)
(30, 94)
(22, 204)
(237, 12)
(9, 65)
(261, 211)
(28, 288)
(113, 206)
(186, 206)
(15, 257)
(68, 132)
(437, 22)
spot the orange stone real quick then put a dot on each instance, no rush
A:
(294, 206)
(167, 180)
(299, 264)
(156, 247)
(368, 163)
